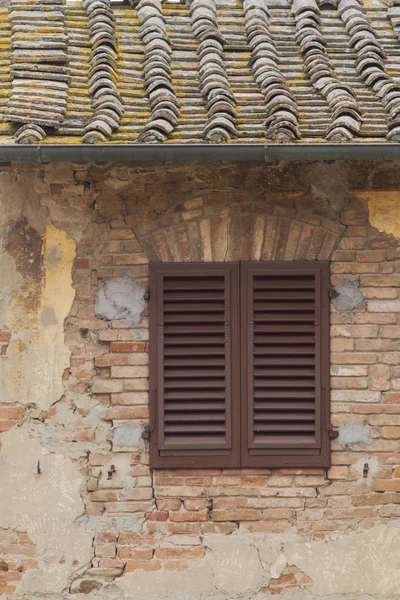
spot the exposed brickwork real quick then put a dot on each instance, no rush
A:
(9, 413)
(134, 215)
(5, 337)
(9, 416)
(17, 555)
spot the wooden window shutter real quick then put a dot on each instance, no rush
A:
(285, 364)
(194, 365)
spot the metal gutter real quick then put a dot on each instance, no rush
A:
(196, 152)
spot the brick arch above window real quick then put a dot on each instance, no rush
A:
(248, 237)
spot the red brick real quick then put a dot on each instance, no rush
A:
(107, 386)
(127, 412)
(184, 528)
(112, 360)
(390, 433)
(371, 256)
(354, 331)
(338, 473)
(195, 504)
(380, 281)
(81, 263)
(111, 563)
(386, 485)
(136, 565)
(344, 256)
(130, 372)
(128, 346)
(123, 552)
(142, 554)
(157, 516)
(236, 515)
(288, 579)
(130, 398)
(130, 259)
(105, 551)
(188, 516)
(354, 358)
(11, 412)
(7, 425)
(254, 481)
(113, 247)
(170, 504)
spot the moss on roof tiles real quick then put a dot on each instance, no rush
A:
(314, 112)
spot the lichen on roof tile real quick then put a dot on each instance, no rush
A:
(211, 70)
(157, 74)
(40, 78)
(346, 113)
(103, 74)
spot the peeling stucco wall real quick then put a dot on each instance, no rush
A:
(37, 355)
(365, 563)
(42, 487)
(384, 209)
(43, 498)
(95, 521)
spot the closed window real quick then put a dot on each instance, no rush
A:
(239, 365)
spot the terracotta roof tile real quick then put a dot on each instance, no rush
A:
(211, 71)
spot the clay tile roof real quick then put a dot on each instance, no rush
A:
(209, 71)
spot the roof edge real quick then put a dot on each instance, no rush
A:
(196, 152)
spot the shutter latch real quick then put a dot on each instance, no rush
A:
(333, 433)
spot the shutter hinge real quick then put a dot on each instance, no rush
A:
(147, 294)
(147, 431)
(333, 433)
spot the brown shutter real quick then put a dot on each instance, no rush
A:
(285, 364)
(194, 365)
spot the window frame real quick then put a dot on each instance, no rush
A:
(240, 455)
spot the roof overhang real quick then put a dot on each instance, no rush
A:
(196, 152)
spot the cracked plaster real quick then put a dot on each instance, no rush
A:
(359, 563)
(37, 355)
(46, 506)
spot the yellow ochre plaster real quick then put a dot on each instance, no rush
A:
(384, 209)
(37, 355)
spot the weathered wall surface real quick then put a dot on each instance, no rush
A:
(81, 514)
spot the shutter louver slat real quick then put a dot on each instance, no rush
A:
(284, 364)
(197, 404)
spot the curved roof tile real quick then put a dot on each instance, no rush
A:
(219, 71)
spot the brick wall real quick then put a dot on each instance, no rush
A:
(20, 556)
(136, 214)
